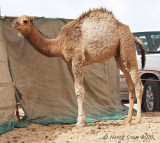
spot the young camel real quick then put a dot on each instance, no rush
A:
(94, 37)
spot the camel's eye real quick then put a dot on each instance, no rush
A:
(25, 21)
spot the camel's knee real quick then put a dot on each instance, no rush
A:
(79, 89)
(139, 90)
(80, 99)
(132, 92)
(132, 97)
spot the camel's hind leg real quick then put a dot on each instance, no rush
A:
(134, 73)
(127, 54)
(135, 88)
(130, 87)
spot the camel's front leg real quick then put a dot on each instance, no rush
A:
(77, 67)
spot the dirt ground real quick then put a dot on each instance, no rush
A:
(113, 131)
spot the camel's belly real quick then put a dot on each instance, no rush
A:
(100, 40)
(96, 55)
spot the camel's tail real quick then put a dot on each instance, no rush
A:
(141, 45)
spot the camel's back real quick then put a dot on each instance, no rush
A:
(96, 21)
(98, 15)
(96, 31)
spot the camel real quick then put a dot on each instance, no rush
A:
(94, 37)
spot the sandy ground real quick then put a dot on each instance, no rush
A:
(113, 131)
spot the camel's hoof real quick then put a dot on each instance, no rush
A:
(80, 124)
(128, 120)
(138, 120)
(81, 121)
(126, 123)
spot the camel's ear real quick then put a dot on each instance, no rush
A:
(31, 19)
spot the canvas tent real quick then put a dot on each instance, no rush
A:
(44, 87)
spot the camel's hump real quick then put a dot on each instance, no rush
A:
(97, 12)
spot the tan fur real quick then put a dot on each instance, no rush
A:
(94, 37)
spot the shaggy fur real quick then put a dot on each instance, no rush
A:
(94, 37)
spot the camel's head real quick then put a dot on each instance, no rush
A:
(23, 24)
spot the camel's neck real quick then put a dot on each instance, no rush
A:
(47, 47)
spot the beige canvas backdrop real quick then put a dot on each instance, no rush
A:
(46, 85)
(7, 97)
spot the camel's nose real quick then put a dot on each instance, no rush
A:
(15, 23)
